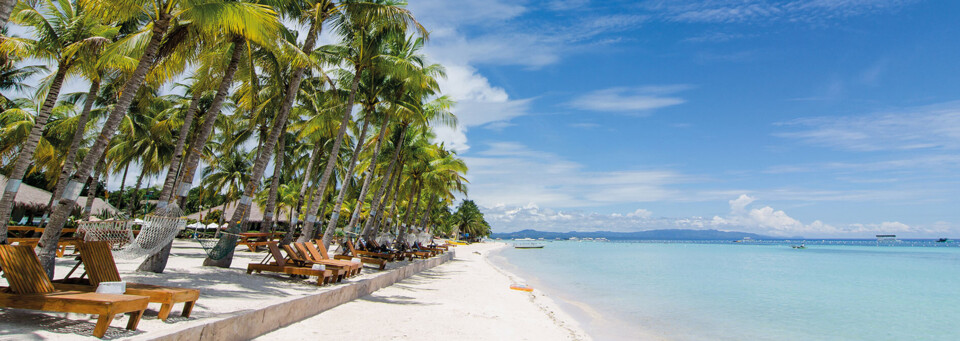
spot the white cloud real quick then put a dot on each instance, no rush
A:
(929, 127)
(762, 220)
(511, 174)
(478, 104)
(745, 11)
(634, 100)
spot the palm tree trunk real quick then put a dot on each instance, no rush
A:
(413, 213)
(334, 151)
(51, 235)
(368, 177)
(261, 164)
(75, 142)
(6, 7)
(379, 217)
(426, 213)
(345, 186)
(26, 152)
(307, 175)
(267, 223)
(167, 192)
(209, 119)
(136, 194)
(375, 204)
(92, 191)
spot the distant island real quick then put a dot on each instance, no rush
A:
(671, 234)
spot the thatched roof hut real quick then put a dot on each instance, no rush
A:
(256, 213)
(32, 201)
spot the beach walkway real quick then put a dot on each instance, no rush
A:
(464, 299)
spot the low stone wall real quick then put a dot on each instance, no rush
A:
(252, 323)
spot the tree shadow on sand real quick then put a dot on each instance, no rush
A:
(24, 324)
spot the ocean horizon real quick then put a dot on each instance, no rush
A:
(840, 289)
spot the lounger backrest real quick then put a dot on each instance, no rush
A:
(293, 254)
(311, 250)
(22, 269)
(353, 251)
(322, 250)
(98, 261)
(275, 251)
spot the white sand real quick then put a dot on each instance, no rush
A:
(222, 291)
(465, 299)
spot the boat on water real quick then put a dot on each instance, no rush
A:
(801, 246)
(528, 243)
(943, 240)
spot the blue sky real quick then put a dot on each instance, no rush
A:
(807, 117)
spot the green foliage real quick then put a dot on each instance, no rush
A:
(469, 221)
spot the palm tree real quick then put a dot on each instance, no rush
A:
(364, 35)
(65, 35)
(211, 16)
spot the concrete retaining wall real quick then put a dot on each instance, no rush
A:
(252, 323)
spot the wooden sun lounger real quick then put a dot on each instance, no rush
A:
(299, 259)
(30, 288)
(280, 265)
(97, 260)
(380, 262)
(310, 252)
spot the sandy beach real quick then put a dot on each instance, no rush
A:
(467, 298)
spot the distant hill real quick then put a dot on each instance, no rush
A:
(673, 234)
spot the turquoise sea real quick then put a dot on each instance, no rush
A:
(770, 291)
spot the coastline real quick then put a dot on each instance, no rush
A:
(467, 298)
(596, 323)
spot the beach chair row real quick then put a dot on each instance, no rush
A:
(31, 288)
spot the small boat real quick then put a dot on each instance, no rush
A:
(528, 245)
(942, 240)
(801, 246)
(521, 287)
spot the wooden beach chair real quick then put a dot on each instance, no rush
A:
(98, 262)
(299, 258)
(280, 265)
(30, 288)
(308, 250)
(353, 253)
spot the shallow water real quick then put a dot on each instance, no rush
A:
(686, 291)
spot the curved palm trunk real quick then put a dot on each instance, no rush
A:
(377, 200)
(334, 153)
(92, 192)
(426, 213)
(123, 185)
(260, 165)
(51, 235)
(307, 175)
(167, 192)
(267, 223)
(6, 7)
(368, 178)
(209, 119)
(26, 152)
(332, 224)
(131, 208)
(379, 218)
(75, 142)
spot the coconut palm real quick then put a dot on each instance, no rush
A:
(65, 36)
(210, 16)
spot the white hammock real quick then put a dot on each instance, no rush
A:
(117, 232)
(158, 229)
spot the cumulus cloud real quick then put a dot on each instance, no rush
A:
(763, 220)
(630, 100)
(512, 174)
